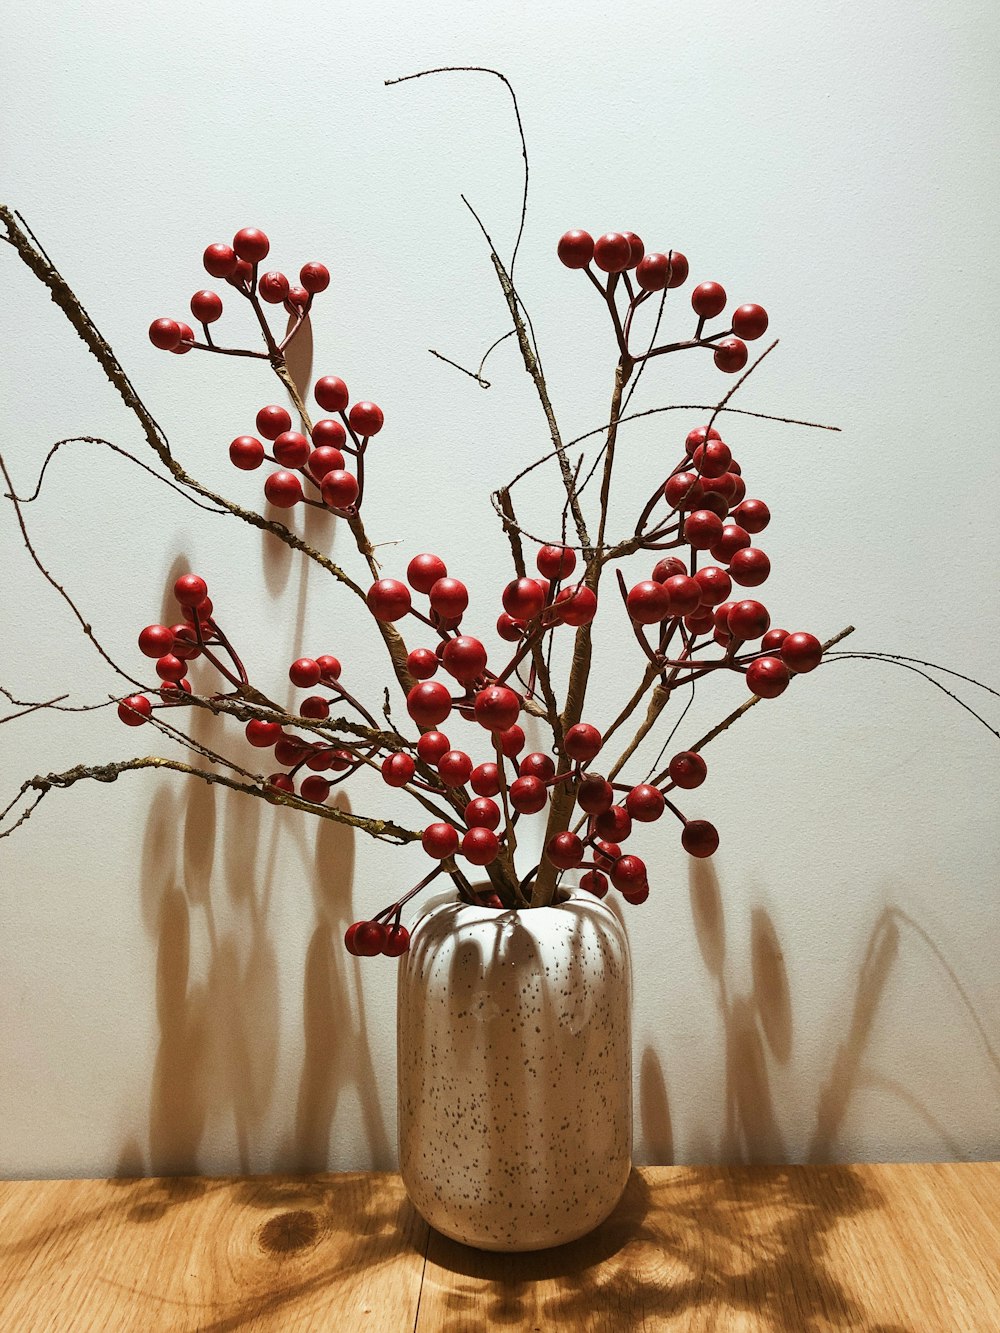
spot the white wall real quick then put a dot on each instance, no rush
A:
(173, 990)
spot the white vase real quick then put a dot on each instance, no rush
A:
(514, 1071)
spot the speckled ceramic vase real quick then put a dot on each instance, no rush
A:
(514, 1071)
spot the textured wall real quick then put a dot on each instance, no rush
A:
(173, 989)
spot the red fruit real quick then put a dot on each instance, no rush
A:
(482, 813)
(683, 490)
(606, 852)
(369, 938)
(241, 274)
(290, 751)
(423, 572)
(397, 769)
(733, 539)
(329, 667)
(314, 277)
(449, 598)
(291, 449)
(576, 606)
(315, 707)
(305, 673)
(747, 620)
(165, 334)
(712, 459)
(509, 629)
(714, 503)
(773, 640)
(801, 652)
(708, 299)
(283, 489)
(324, 460)
(594, 882)
(636, 248)
(698, 436)
(730, 355)
(612, 252)
(555, 562)
(296, 300)
(644, 803)
(485, 780)
(314, 789)
(273, 288)
(699, 837)
(220, 261)
(464, 658)
(281, 782)
(687, 770)
(739, 489)
(428, 703)
(724, 485)
(523, 598)
(321, 758)
(185, 642)
(767, 677)
(340, 760)
(272, 421)
(536, 765)
(340, 490)
(455, 766)
(156, 641)
(496, 707)
(480, 846)
(684, 592)
(583, 742)
(432, 745)
(397, 938)
(678, 269)
(651, 272)
(246, 452)
(528, 795)
(331, 393)
(190, 590)
(328, 432)
(262, 735)
(749, 567)
(366, 419)
(439, 841)
(749, 321)
(388, 599)
(648, 602)
(187, 338)
(615, 823)
(628, 873)
(511, 741)
(135, 710)
(203, 610)
(753, 515)
(667, 568)
(715, 585)
(575, 248)
(170, 667)
(206, 306)
(251, 244)
(564, 850)
(421, 663)
(595, 794)
(702, 529)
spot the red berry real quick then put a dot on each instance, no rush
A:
(684, 592)
(747, 620)
(331, 393)
(730, 355)
(423, 572)
(464, 658)
(449, 598)
(739, 488)
(440, 841)
(482, 813)
(678, 269)
(606, 852)
(614, 823)
(156, 641)
(648, 602)
(801, 652)
(564, 850)
(687, 770)
(187, 338)
(555, 562)
(753, 515)
(251, 244)
(583, 742)
(241, 274)
(324, 460)
(724, 485)
(496, 707)
(511, 741)
(340, 490)
(595, 794)
(366, 419)
(314, 277)
(702, 529)
(628, 873)
(135, 710)
(594, 882)
(480, 846)
(653, 271)
(328, 432)
(206, 306)
(281, 782)
(644, 803)
(708, 299)
(636, 248)
(767, 677)
(246, 452)
(575, 249)
(273, 288)
(170, 667)
(190, 590)
(220, 261)
(185, 642)
(455, 766)
(272, 421)
(523, 598)
(485, 780)
(683, 490)
(397, 769)
(329, 666)
(428, 703)
(699, 837)
(262, 735)
(397, 938)
(203, 610)
(388, 599)
(667, 568)
(289, 751)
(296, 300)
(714, 584)
(305, 673)
(537, 765)
(636, 896)
(576, 606)
(612, 252)
(291, 449)
(369, 938)
(749, 321)
(283, 489)
(773, 640)
(749, 567)
(315, 707)
(509, 629)
(165, 334)
(733, 539)
(712, 459)
(421, 663)
(528, 795)
(315, 789)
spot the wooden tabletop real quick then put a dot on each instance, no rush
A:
(782, 1249)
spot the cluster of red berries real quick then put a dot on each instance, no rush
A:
(172, 647)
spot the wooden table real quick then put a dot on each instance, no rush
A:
(783, 1249)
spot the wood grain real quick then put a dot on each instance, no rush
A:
(879, 1249)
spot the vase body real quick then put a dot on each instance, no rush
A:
(514, 1071)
